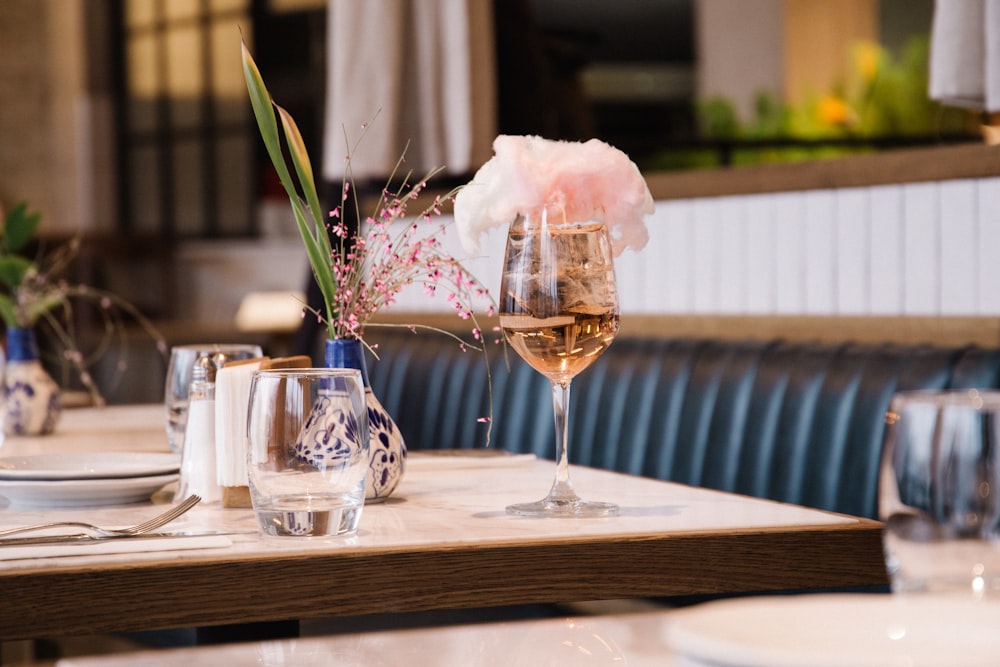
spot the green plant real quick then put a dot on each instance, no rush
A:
(29, 293)
(880, 96)
(35, 294)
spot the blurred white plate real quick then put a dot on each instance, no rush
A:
(97, 465)
(839, 631)
(83, 492)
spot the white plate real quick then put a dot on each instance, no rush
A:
(83, 492)
(101, 465)
(839, 631)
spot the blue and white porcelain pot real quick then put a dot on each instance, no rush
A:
(387, 456)
(34, 401)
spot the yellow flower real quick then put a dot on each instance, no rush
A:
(834, 110)
(866, 59)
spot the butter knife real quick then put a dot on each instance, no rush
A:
(83, 538)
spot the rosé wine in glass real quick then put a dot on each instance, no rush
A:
(559, 311)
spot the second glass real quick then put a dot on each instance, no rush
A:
(307, 438)
(939, 492)
(178, 382)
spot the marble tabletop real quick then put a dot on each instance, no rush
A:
(117, 428)
(635, 639)
(445, 523)
(828, 629)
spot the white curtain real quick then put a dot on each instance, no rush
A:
(965, 54)
(419, 71)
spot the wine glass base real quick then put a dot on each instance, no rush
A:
(551, 507)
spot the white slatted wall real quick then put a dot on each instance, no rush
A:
(915, 249)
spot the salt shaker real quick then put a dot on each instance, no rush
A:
(198, 462)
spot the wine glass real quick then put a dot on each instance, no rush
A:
(559, 311)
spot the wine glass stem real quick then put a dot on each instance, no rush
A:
(562, 488)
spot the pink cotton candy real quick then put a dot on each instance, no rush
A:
(571, 181)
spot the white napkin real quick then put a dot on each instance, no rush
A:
(232, 398)
(115, 546)
(965, 54)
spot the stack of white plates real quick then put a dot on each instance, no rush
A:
(85, 479)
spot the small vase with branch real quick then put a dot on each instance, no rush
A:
(33, 297)
(361, 272)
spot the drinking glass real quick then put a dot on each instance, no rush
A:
(559, 311)
(939, 492)
(307, 437)
(175, 391)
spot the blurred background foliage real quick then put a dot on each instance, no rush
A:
(880, 102)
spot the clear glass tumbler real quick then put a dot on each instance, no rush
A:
(939, 492)
(307, 436)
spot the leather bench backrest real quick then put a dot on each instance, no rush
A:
(795, 422)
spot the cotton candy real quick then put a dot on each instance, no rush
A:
(571, 181)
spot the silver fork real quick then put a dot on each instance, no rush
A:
(138, 529)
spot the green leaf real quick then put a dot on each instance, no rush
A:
(19, 227)
(263, 111)
(12, 270)
(7, 311)
(319, 260)
(311, 227)
(303, 167)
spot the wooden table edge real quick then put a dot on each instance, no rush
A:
(206, 591)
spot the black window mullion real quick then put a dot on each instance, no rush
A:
(123, 217)
(208, 136)
(164, 135)
(156, 145)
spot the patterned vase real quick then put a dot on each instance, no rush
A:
(33, 398)
(387, 457)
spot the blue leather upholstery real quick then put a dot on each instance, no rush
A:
(794, 422)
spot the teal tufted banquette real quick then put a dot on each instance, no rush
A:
(795, 422)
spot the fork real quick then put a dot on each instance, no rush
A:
(97, 531)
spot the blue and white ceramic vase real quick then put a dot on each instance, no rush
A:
(387, 456)
(34, 401)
